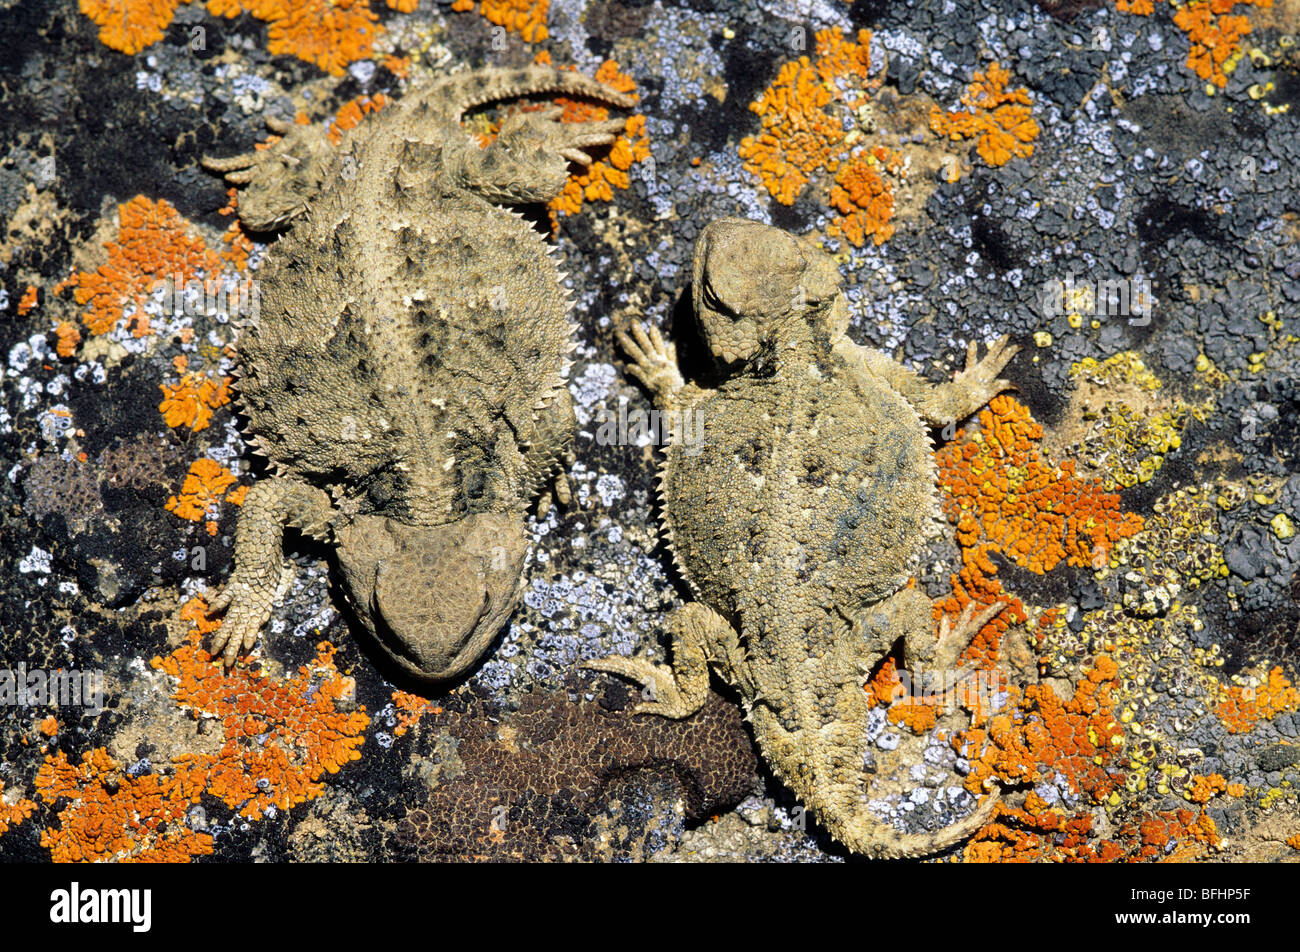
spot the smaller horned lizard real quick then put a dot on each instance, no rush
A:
(797, 518)
(406, 372)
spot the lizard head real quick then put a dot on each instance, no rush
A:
(433, 597)
(753, 281)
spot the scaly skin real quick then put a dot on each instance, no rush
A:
(406, 374)
(797, 520)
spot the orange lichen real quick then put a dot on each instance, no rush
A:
(1294, 842)
(28, 300)
(153, 245)
(281, 736)
(1203, 788)
(236, 496)
(11, 814)
(352, 112)
(330, 33)
(205, 484)
(1040, 737)
(114, 816)
(399, 66)
(49, 726)
(525, 17)
(1005, 497)
(1241, 708)
(68, 338)
(195, 611)
(864, 201)
(800, 135)
(130, 25)
(239, 247)
(410, 708)
(191, 400)
(998, 118)
(1214, 32)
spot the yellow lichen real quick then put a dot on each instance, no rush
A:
(1131, 429)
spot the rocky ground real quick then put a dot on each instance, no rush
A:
(1114, 183)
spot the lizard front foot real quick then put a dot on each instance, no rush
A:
(980, 381)
(654, 362)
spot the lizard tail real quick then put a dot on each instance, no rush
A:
(873, 837)
(840, 804)
(463, 91)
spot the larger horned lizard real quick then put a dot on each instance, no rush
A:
(797, 514)
(407, 372)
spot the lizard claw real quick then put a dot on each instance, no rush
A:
(247, 608)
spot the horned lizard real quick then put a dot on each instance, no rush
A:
(797, 517)
(406, 374)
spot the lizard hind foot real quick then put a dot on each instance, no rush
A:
(247, 607)
(278, 181)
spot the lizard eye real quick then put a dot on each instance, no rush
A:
(714, 303)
